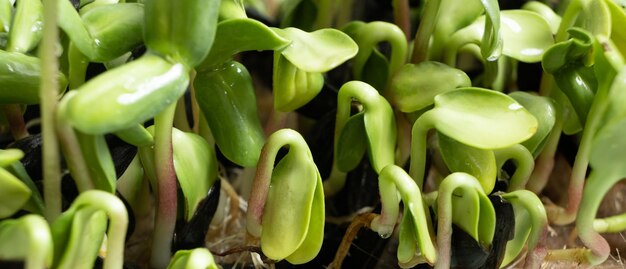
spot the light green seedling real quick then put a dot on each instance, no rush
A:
(462, 201)
(6, 14)
(525, 35)
(415, 220)
(531, 226)
(78, 232)
(298, 67)
(379, 125)
(27, 238)
(286, 208)
(199, 258)
(477, 117)
(195, 165)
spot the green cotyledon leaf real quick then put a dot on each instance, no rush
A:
(27, 238)
(131, 94)
(415, 86)
(544, 110)
(182, 30)
(318, 51)
(480, 163)
(26, 28)
(352, 143)
(104, 32)
(14, 193)
(237, 35)
(226, 98)
(19, 78)
(293, 87)
(312, 243)
(482, 118)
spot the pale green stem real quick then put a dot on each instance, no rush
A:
(277, 120)
(419, 136)
(71, 149)
(523, 160)
(425, 31)
(166, 203)
(581, 162)
(613, 224)
(335, 181)
(392, 180)
(569, 18)
(444, 213)
(48, 102)
(118, 223)
(261, 184)
(136, 135)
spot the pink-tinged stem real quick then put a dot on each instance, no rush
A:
(166, 188)
(16, 121)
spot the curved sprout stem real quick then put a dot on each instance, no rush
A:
(419, 134)
(261, 184)
(524, 161)
(392, 180)
(374, 33)
(450, 184)
(115, 210)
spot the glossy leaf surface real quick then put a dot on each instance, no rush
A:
(130, 94)
(226, 97)
(19, 78)
(482, 118)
